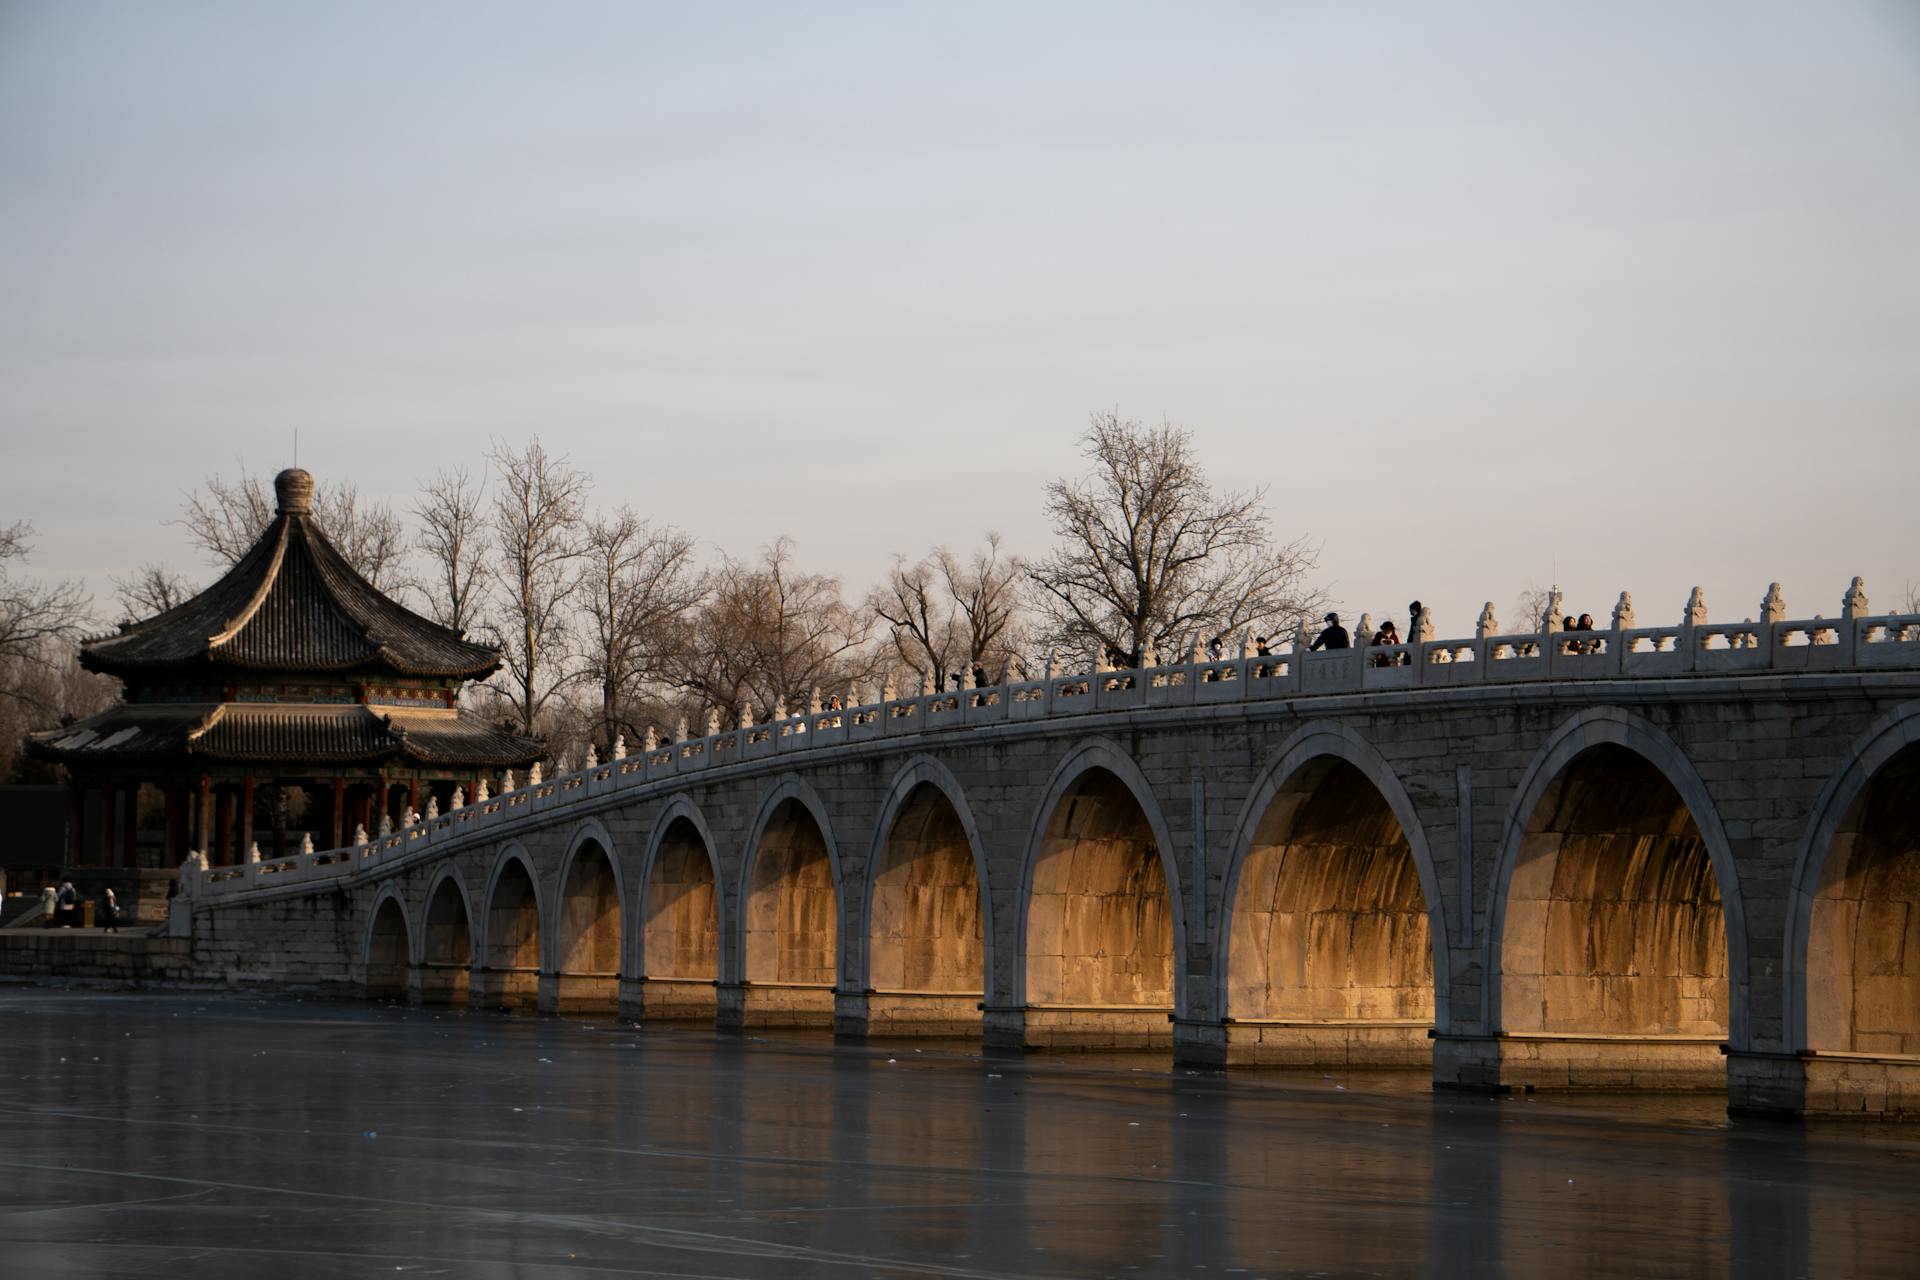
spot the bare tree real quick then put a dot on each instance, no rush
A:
(39, 622)
(945, 609)
(770, 633)
(1150, 554)
(452, 538)
(228, 517)
(537, 517)
(151, 589)
(1912, 603)
(1529, 608)
(639, 584)
(40, 682)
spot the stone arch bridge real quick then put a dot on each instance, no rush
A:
(1671, 857)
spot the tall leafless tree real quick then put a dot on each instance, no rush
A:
(769, 633)
(538, 539)
(639, 586)
(228, 516)
(1148, 551)
(452, 538)
(151, 589)
(946, 609)
(40, 622)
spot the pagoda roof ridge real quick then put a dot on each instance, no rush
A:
(291, 604)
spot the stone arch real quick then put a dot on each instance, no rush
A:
(1345, 909)
(926, 920)
(678, 953)
(789, 943)
(1081, 922)
(1852, 961)
(387, 953)
(446, 941)
(1631, 922)
(511, 939)
(587, 925)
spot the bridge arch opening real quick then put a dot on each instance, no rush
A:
(446, 957)
(680, 958)
(792, 921)
(388, 952)
(1330, 954)
(1614, 926)
(588, 933)
(511, 961)
(1099, 944)
(1863, 942)
(926, 957)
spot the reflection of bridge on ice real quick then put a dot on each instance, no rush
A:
(1655, 857)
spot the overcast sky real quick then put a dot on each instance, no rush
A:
(1623, 296)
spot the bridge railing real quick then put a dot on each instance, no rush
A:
(1878, 642)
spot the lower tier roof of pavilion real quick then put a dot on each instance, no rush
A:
(276, 737)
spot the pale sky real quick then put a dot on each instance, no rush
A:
(1622, 296)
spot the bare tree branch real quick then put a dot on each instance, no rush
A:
(538, 541)
(452, 538)
(228, 517)
(1149, 554)
(150, 590)
(639, 583)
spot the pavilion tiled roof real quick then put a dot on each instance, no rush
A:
(291, 604)
(270, 733)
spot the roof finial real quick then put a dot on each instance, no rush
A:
(294, 488)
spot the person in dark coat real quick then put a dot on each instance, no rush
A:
(1332, 636)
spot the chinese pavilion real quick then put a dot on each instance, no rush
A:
(291, 674)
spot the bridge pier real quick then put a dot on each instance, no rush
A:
(774, 1004)
(1824, 1084)
(515, 988)
(668, 999)
(579, 993)
(1597, 1061)
(1084, 1026)
(437, 984)
(938, 1015)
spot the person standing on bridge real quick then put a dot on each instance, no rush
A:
(1332, 636)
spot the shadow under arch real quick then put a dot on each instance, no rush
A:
(446, 948)
(787, 949)
(588, 923)
(1892, 741)
(1303, 751)
(904, 1001)
(678, 951)
(1628, 737)
(511, 947)
(387, 952)
(1098, 755)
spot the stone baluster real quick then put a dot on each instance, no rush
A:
(359, 833)
(506, 781)
(713, 721)
(386, 824)
(680, 729)
(1853, 605)
(306, 844)
(459, 798)
(433, 807)
(534, 775)
(1622, 623)
(619, 746)
(1694, 617)
(650, 740)
(480, 793)
(593, 756)
(888, 691)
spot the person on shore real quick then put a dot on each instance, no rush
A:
(109, 910)
(1332, 636)
(67, 905)
(49, 905)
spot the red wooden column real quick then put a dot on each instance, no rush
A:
(246, 819)
(413, 794)
(109, 792)
(130, 836)
(205, 815)
(339, 811)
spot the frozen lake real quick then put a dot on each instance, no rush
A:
(214, 1136)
